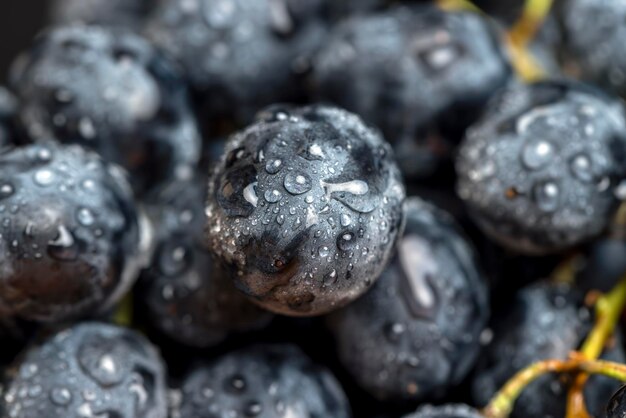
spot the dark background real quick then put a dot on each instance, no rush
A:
(20, 21)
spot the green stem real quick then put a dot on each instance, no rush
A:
(458, 5)
(527, 26)
(608, 310)
(502, 403)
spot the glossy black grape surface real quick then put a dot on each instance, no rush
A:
(70, 236)
(271, 381)
(540, 171)
(617, 404)
(187, 294)
(305, 206)
(111, 91)
(416, 333)
(89, 370)
(592, 38)
(419, 74)
(240, 55)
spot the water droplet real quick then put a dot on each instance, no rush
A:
(311, 216)
(330, 278)
(346, 241)
(208, 393)
(620, 190)
(273, 166)
(413, 361)
(234, 156)
(316, 152)
(6, 190)
(253, 409)
(138, 389)
(29, 370)
(529, 118)
(603, 184)
(249, 193)
(107, 364)
(64, 246)
(173, 259)
(272, 196)
(85, 217)
(103, 360)
(28, 231)
(186, 216)
(280, 18)
(237, 383)
(64, 96)
(88, 184)
(297, 183)
(394, 331)
(537, 154)
(44, 177)
(349, 194)
(547, 196)
(439, 57)
(323, 251)
(220, 13)
(484, 171)
(44, 154)
(356, 187)
(345, 219)
(581, 168)
(167, 293)
(60, 396)
(86, 128)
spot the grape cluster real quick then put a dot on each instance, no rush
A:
(314, 209)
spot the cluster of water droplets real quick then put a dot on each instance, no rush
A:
(311, 190)
(88, 373)
(529, 161)
(251, 51)
(539, 153)
(64, 206)
(50, 178)
(106, 91)
(270, 381)
(204, 396)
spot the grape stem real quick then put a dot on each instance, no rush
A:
(576, 407)
(608, 310)
(533, 16)
(565, 272)
(584, 363)
(123, 314)
(519, 37)
(458, 5)
(502, 403)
